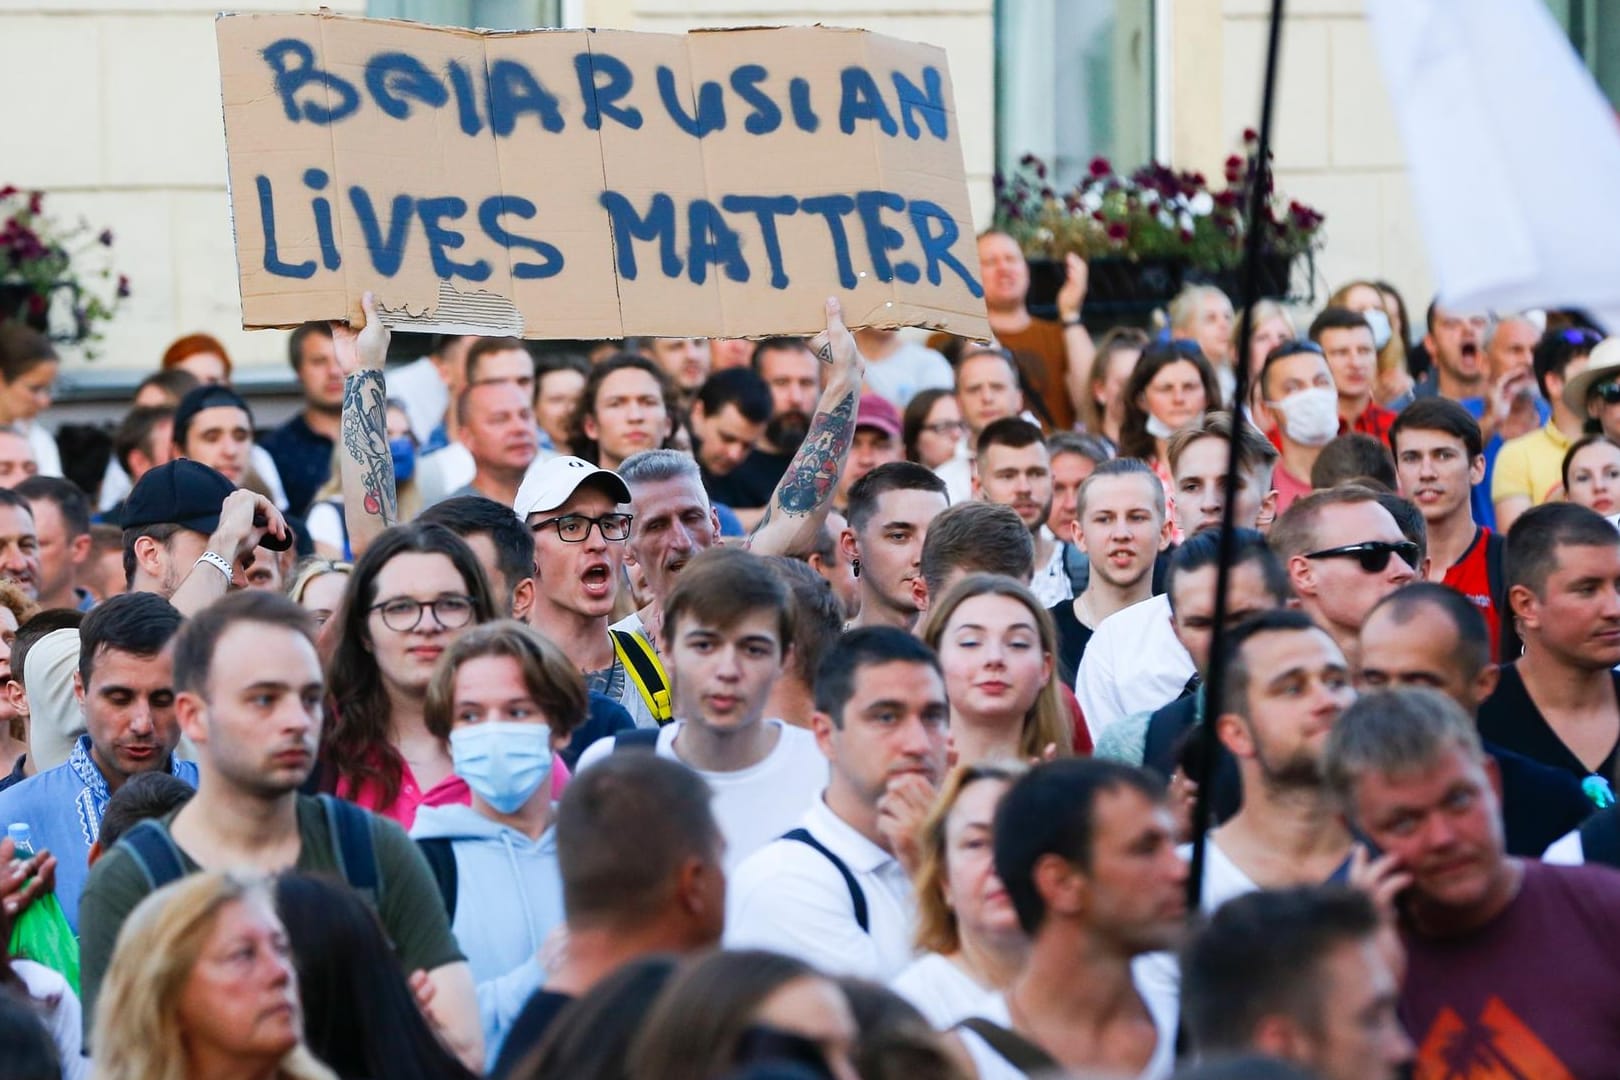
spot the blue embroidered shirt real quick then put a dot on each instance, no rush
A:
(63, 808)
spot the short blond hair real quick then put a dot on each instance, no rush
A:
(937, 928)
(137, 1030)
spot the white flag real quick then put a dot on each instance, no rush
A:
(1514, 154)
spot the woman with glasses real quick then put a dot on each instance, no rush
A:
(935, 437)
(967, 929)
(415, 590)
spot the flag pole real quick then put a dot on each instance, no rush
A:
(1214, 685)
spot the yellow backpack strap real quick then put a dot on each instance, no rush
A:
(645, 671)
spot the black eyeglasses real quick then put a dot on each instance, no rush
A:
(1372, 554)
(404, 614)
(574, 528)
(946, 427)
(1609, 392)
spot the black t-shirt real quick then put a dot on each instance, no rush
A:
(1510, 720)
(749, 485)
(1540, 803)
(528, 1028)
(1072, 638)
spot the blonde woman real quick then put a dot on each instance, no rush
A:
(318, 585)
(1271, 327)
(201, 987)
(967, 929)
(998, 649)
(1385, 312)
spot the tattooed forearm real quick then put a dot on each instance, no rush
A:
(368, 467)
(812, 476)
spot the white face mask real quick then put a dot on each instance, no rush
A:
(1378, 319)
(1310, 417)
(1161, 430)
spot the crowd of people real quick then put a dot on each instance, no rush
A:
(684, 708)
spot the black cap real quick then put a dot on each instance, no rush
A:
(198, 398)
(188, 494)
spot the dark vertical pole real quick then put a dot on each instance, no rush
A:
(1214, 686)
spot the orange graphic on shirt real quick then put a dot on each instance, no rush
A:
(1499, 1046)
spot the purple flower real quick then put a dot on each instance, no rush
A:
(123, 286)
(106, 238)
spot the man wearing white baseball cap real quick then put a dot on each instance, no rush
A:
(579, 517)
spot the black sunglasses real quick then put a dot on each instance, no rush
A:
(1372, 554)
(1608, 392)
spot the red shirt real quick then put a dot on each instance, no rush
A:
(1375, 420)
(1470, 575)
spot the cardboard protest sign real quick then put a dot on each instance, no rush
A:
(592, 184)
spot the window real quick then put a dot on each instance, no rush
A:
(1594, 29)
(1074, 80)
(488, 14)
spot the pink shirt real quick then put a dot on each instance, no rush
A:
(451, 791)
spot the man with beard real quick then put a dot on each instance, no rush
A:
(1015, 470)
(1510, 962)
(1286, 684)
(728, 419)
(1120, 525)
(250, 698)
(793, 375)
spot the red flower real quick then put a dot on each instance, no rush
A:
(1100, 166)
(1250, 135)
(1097, 215)
(1234, 169)
(8, 191)
(36, 200)
(1117, 231)
(36, 306)
(123, 286)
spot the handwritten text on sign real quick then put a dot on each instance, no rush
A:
(594, 183)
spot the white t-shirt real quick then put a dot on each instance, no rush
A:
(913, 368)
(958, 476)
(1134, 663)
(753, 806)
(1051, 582)
(942, 991)
(790, 898)
(992, 1066)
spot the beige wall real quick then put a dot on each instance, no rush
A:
(127, 130)
(1334, 134)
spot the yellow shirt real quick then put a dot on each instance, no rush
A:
(1531, 466)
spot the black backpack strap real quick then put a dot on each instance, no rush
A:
(440, 854)
(351, 843)
(1600, 838)
(1019, 1052)
(154, 852)
(639, 739)
(645, 671)
(857, 897)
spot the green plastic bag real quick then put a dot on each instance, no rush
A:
(40, 932)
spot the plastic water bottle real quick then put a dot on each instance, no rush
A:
(40, 931)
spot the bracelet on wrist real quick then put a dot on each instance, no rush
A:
(218, 562)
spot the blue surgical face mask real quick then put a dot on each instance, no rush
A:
(403, 451)
(1378, 319)
(504, 762)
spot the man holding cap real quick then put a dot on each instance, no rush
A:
(189, 533)
(578, 515)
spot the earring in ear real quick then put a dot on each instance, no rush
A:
(855, 567)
